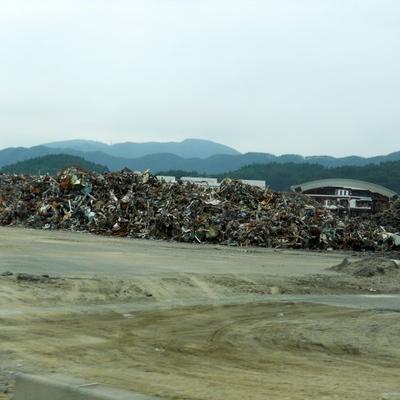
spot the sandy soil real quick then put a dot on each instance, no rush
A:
(257, 351)
(153, 317)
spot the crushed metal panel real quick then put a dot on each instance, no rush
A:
(166, 178)
(252, 182)
(213, 182)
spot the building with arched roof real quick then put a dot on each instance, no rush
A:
(348, 196)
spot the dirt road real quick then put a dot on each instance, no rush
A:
(196, 322)
(79, 254)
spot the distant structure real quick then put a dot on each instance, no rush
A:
(348, 196)
(211, 182)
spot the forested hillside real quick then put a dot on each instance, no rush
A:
(51, 165)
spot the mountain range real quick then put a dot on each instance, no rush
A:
(189, 148)
(190, 155)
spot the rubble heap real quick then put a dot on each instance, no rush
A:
(141, 206)
(391, 217)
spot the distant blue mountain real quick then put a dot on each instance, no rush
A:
(223, 159)
(189, 148)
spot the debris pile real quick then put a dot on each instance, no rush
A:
(391, 217)
(369, 267)
(141, 206)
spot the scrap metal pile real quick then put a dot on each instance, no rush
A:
(390, 218)
(141, 206)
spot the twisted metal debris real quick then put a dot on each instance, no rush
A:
(140, 206)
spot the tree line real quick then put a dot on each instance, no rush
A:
(51, 165)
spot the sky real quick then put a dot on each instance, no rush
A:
(278, 76)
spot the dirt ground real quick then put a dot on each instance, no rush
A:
(192, 322)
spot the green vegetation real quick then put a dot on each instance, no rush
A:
(281, 176)
(51, 164)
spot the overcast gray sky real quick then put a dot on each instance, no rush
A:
(279, 76)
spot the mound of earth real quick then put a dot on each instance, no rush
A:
(369, 267)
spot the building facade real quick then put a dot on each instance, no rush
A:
(348, 196)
